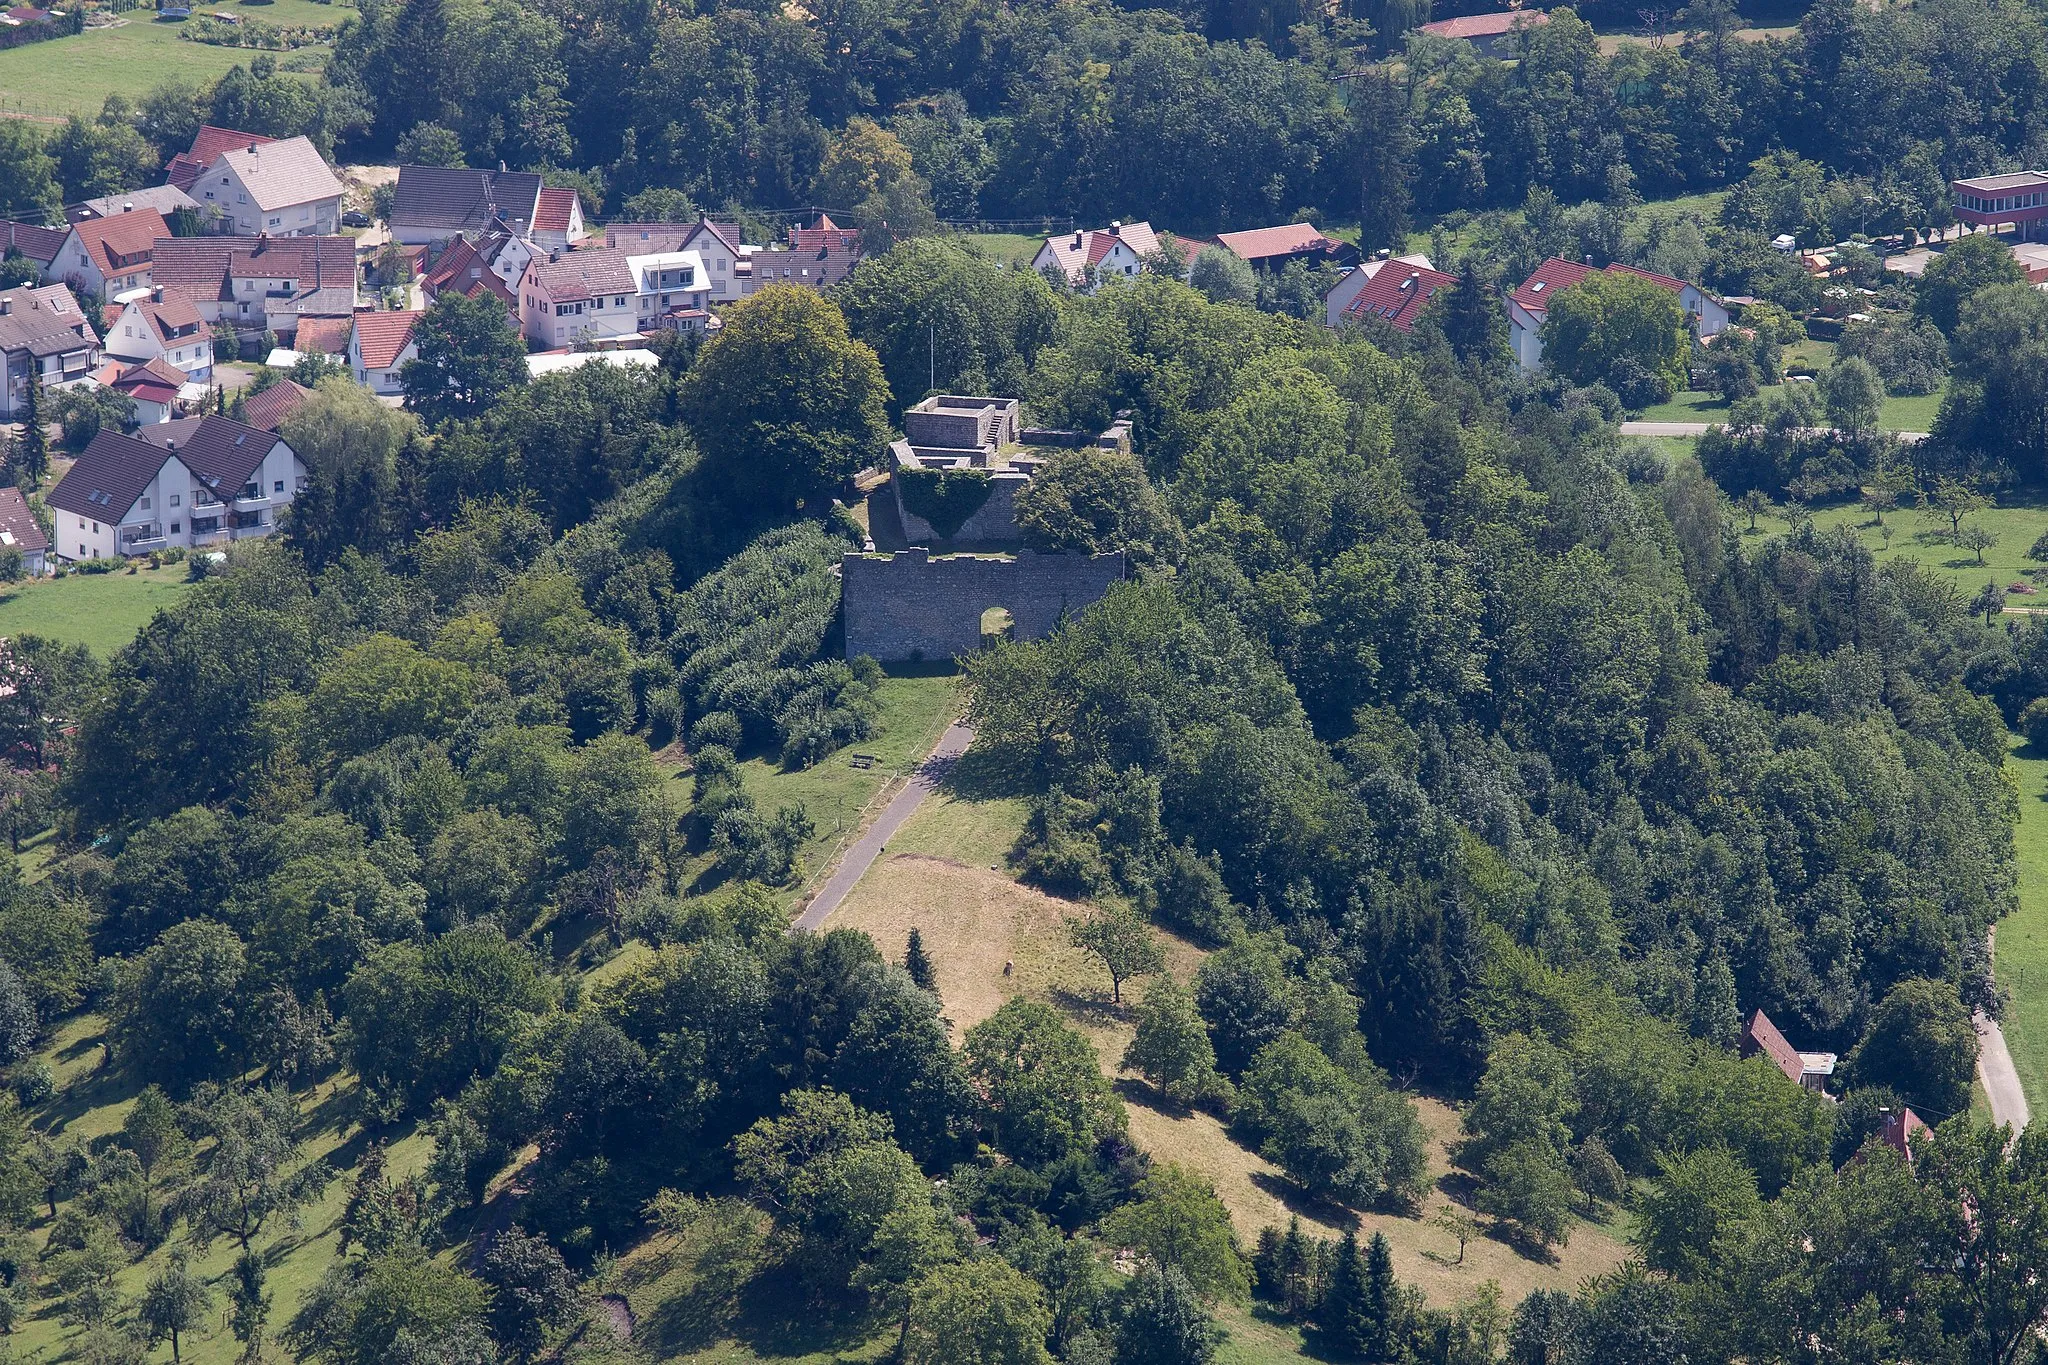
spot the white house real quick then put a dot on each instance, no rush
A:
(163, 326)
(19, 530)
(728, 262)
(109, 256)
(1341, 295)
(557, 219)
(672, 290)
(153, 385)
(272, 189)
(1529, 305)
(434, 203)
(194, 482)
(1088, 258)
(379, 348)
(42, 332)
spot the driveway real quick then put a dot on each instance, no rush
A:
(859, 858)
(1995, 1069)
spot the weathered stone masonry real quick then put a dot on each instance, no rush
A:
(911, 606)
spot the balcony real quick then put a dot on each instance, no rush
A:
(140, 540)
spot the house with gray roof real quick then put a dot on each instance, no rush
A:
(42, 332)
(272, 189)
(434, 203)
(193, 482)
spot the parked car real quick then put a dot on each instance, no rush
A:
(355, 218)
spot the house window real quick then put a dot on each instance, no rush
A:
(145, 504)
(277, 486)
(174, 499)
(275, 221)
(81, 523)
(176, 529)
(95, 528)
(619, 302)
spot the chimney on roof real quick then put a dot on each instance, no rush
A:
(127, 206)
(1116, 227)
(252, 149)
(6, 307)
(501, 168)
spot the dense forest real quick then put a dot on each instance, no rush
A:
(1472, 751)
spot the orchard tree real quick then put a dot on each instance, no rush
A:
(1118, 937)
(1179, 1223)
(175, 1303)
(1171, 1048)
(977, 1312)
(253, 1174)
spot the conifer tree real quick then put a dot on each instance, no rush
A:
(1342, 1315)
(919, 965)
(34, 449)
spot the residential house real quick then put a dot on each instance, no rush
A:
(1490, 34)
(259, 284)
(1529, 305)
(109, 256)
(152, 385)
(434, 203)
(381, 345)
(1271, 248)
(192, 482)
(1088, 257)
(557, 219)
(1760, 1037)
(820, 255)
(1396, 294)
(728, 262)
(272, 189)
(165, 199)
(42, 332)
(186, 167)
(1896, 1129)
(1338, 296)
(268, 410)
(19, 530)
(163, 325)
(671, 291)
(492, 264)
(37, 244)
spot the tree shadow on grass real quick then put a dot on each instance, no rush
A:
(1306, 1203)
(103, 1086)
(777, 1317)
(1525, 1247)
(1096, 1010)
(978, 776)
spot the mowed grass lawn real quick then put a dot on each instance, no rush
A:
(100, 611)
(74, 75)
(2023, 935)
(1017, 248)
(1900, 413)
(1920, 536)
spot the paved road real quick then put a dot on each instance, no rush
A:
(858, 859)
(1700, 429)
(1995, 1069)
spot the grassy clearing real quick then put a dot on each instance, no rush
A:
(1899, 413)
(74, 75)
(2023, 935)
(92, 1102)
(1015, 247)
(100, 611)
(976, 921)
(1924, 537)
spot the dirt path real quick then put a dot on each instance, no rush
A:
(854, 863)
(1995, 1068)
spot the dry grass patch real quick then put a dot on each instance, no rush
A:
(974, 920)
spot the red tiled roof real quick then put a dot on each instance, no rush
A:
(1484, 25)
(381, 337)
(459, 255)
(1662, 281)
(1897, 1130)
(1257, 244)
(1558, 274)
(126, 235)
(156, 380)
(551, 213)
(822, 254)
(268, 410)
(489, 283)
(188, 166)
(323, 336)
(17, 521)
(1760, 1035)
(1547, 279)
(1397, 294)
(171, 317)
(200, 268)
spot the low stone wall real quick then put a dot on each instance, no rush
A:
(910, 606)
